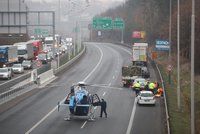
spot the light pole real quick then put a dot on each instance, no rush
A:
(192, 67)
(178, 56)
(170, 37)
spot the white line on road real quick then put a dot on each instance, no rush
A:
(128, 131)
(38, 123)
(83, 124)
(104, 93)
(96, 65)
(113, 77)
(48, 114)
(126, 50)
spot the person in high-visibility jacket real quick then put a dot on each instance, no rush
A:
(136, 87)
(152, 87)
(159, 92)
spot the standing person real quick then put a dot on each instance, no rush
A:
(147, 86)
(152, 87)
(136, 87)
(103, 107)
(72, 103)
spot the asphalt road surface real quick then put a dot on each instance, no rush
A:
(101, 64)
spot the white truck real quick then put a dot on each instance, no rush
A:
(140, 54)
(48, 43)
(25, 51)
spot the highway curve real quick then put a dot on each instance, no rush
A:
(101, 64)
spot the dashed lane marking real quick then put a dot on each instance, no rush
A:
(128, 131)
(83, 125)
(104, 93)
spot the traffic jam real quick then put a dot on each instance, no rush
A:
(21, 57)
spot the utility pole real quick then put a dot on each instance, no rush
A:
(122, 36)
(192, 68)
(54, 31)
(178, 56)
(170, 37)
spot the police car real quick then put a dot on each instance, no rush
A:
(146, 97)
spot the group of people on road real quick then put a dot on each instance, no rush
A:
(150, 86)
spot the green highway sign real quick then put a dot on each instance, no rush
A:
(118, 23)
(105, 23)
(102, 23)
(39, 31)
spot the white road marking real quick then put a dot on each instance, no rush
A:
(128, 131)
(96, 65)
(126, 50)
(113, 77)
(38, 123)
(48, 114)
(83, 124)
(104, 93)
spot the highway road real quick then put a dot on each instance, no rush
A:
(37, 113)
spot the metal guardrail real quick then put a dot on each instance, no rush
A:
(6, 85)
(165, 100)
(8, 95)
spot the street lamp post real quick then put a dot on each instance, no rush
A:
(170, 37)
(178, 56)
(192, 67)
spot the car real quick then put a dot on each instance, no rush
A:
(18, 68)
(142, 82)
(43, 58)
(27, 64)
(146, 97)
(50, 56)
(6, 73)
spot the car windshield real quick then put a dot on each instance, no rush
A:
(141, 81)
(22, 52)
(48, 41)
(41, 56)
(26, 62)
(2, 70)
(146, 95)
(17, 65)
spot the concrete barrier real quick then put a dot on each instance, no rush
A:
(69, 63)
(46, 76)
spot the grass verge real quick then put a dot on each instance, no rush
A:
(180, 118)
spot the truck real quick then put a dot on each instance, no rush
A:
(138, 68)
(37, 47)
(139, 54)
(129, 74)
(8, 55)
(25, 51)
(48, 43)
